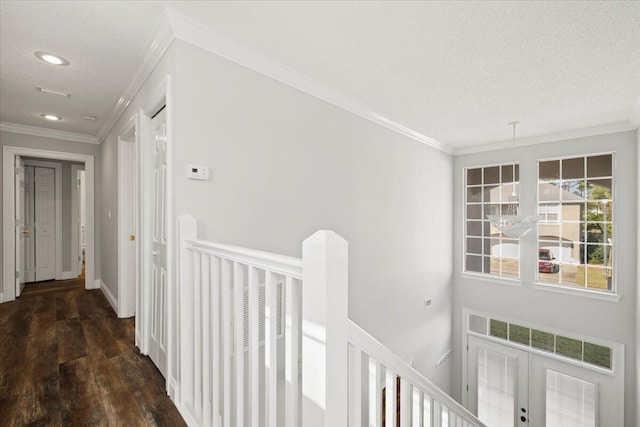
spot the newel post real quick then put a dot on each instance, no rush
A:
(181, 311)
(324, 331)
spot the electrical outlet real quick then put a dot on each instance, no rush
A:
(427, 303)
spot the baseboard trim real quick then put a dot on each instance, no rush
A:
(107, 293)
(66, 275)
(173, 389)
(94, 285)
(188, 416)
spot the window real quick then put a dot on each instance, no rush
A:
(575, 232)
(586, 352)
(487, 251)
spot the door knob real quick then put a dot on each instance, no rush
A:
(25, 231)
(154, 253)
(523, 419)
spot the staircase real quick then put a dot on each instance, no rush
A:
(265, 341)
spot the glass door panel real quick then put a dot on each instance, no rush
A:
(569, 401)
(565, 394)
(498, 383)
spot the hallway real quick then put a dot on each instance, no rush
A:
(66, 359)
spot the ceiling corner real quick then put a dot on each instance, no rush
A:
(164, 35)
(47, 133)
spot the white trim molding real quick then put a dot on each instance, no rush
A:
(107, 293)
(176, 26)
(160, 43)
(47, 133)
(57, 167)
(66, 275)
(8, 209)
(552, 137)
(204, 37)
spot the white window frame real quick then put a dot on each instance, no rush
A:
(568, 288)
(496, 278)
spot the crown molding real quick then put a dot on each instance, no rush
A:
(161, 42)
(635, 116)
(551, 137)
(47, 133)
(205, 38)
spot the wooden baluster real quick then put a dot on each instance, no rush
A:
(292, 355)
(271, 349)
(238, 297)
(215, 340)
(226, 266)
(253, 289)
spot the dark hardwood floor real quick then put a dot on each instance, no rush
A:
(67, 360)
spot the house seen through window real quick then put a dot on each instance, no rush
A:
(575, 232)
(487, 250)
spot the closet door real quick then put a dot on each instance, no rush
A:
(29, 229)
(45, 208)
(158, 335)
(20, 230)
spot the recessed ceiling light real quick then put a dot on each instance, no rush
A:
(51, 117)
(53, 92)
(92, 118)
(52, 59)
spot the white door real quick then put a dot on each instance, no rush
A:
(83, 211)
(513, 388)
(569, 395)
(29, 230)
(45, 224)
(20, 230)
(158, 333)
(78, 224)
(498, 383)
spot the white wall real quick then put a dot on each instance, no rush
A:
(613, 321)
(41, 143)
(285, 164)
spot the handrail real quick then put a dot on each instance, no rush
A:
(276, 263)
(376, 350)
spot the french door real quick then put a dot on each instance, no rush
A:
(511, 387)
(498, 383)
(569, 395)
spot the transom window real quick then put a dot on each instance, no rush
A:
(575, 232)
(487, 251)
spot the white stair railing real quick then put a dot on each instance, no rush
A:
(237, 301)
(355, 368)
(303, 362)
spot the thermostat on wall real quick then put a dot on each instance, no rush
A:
(197, 172)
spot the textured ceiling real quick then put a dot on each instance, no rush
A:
(105, 43)
(456, 72)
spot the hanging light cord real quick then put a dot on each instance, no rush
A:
(513, 171)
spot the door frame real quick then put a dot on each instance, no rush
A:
(8, 206)
(128, 174)
(57, 173)
(618, 359)
(75, 220)
(159, 96)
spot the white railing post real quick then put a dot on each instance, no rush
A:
(325, 383)
(183, 308)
